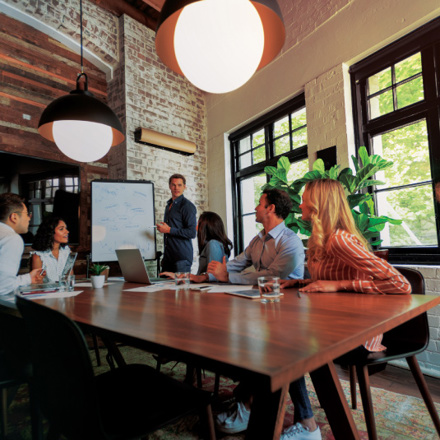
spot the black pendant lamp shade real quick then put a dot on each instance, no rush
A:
(80, 105)
(83, 127)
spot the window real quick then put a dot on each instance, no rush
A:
(282, 132)
(398, 117)
(41, 193)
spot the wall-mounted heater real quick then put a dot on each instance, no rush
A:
(165, 141)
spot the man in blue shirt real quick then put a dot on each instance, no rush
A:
(275, 251)
(178, 227)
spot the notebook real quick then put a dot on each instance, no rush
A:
(132, 266)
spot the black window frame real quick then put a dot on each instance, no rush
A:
(265, 122)
(425, 40)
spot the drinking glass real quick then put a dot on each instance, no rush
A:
(182, 280)
(70, 282)
(269, 289)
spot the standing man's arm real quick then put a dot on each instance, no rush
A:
(189, 221)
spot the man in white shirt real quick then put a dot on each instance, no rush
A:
(14, 220)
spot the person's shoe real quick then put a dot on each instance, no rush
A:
(300, 432)
(234, 420)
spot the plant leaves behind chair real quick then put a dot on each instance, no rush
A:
(404, 341)
(124, 403)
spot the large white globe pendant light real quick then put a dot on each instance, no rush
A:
(83, 127)
(219, 44)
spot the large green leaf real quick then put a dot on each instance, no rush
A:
(319, 166)
(283, 164)
(272, 171)
(348, 181)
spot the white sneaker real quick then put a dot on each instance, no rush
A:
(234, 420)
(300, 432)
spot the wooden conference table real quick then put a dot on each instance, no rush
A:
(268, 344)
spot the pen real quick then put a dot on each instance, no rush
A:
(151, 227)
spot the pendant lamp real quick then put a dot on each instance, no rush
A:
(219, 44)
(82, 126)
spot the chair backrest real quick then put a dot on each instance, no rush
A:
(62, 371)
(414, 333)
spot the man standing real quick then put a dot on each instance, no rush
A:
(14, 220)
(275, 251)
(178, 227)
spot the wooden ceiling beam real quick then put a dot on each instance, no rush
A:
(156, 4)
(119, 7)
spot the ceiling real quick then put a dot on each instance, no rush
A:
(145, 12)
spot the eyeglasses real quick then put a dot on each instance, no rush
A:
(29, 214)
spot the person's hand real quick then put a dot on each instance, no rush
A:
(169, 275)
(286, 284)
(198, 278)
(37, 276)
(324, 286)
(219, 270)
(163, 228)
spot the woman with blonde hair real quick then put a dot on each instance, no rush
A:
(338, 256)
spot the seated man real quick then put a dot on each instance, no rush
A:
(14, 220)
(275, 251)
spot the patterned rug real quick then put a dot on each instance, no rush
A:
(398, 417)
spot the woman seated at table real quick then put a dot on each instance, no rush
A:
(51, 250)
(338, 256)
(212, 241)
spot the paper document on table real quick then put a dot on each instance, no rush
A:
(153, 287)
(220, 288)
(49, 295)
(89, 284)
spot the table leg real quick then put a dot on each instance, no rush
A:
(267, 414)
(333, 401)
(113, 350)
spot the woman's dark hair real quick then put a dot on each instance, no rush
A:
(211, 227)
(44, 238)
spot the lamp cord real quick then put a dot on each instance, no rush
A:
(81, 33)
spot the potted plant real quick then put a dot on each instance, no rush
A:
(96, 274)
(360, 200)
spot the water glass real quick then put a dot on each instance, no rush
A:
(182, 280)
(70, 282)
(269, 289)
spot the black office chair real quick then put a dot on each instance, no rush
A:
(404, 341)
(124, 403)
(15, 370)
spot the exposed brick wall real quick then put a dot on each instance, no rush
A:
(100, 27)
(303, 17)
(326, 121)
(159, 99)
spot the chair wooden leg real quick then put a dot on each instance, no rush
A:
(36, 417)
(199, 377)
(353, 386)
(423, 387)
(367, 403)
(216, 384)
(4, 413)
(210, 423)
(96, 348)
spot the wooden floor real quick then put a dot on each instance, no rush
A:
(399, 380)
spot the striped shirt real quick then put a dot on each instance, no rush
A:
(347, 259)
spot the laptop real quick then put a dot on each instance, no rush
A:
(132, 266)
